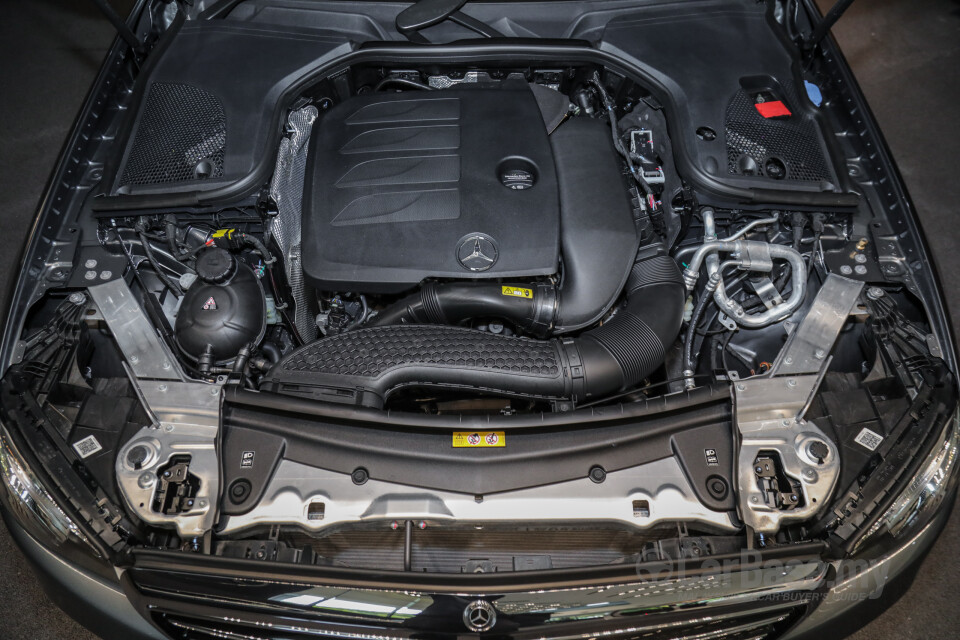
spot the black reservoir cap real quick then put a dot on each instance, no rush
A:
(216, 265)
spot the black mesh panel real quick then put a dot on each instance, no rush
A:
(181, 136)
(793, 141)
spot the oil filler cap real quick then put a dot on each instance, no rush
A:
(517, 179)
(517, 173)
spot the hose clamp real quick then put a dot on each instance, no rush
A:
(544, 312)
(574, 363)
(755, 256)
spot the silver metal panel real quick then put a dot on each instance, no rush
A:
(445, 82)
(186, 421)
(769, 413)
(813, 340)
(790, 437)
(144, 351)
(662, 484)
(286, 189)
(185, 415)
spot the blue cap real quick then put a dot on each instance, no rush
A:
(813, 92)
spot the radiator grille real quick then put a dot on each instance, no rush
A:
(181, 136)
(749, 626)
(794, 142)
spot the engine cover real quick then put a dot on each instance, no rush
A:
(457, 183)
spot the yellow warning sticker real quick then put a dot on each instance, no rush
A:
(470, 439)
(517, 292)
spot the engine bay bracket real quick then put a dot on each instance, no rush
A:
(144, 351)
(185, 421)
(769, 413)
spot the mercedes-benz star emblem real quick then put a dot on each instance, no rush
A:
(477, 252)
(479, 616)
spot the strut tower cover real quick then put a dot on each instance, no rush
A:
(457, 183)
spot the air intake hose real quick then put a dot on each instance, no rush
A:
(531, 307)
(367, 365)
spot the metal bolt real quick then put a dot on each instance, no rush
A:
(165, 365)
(809, 475)
(90, 275)
(785, 422)
(861, 258)
(741, 387)
(146, 480)
(819, 354)
(134, 359)
(860, 269)
(788, 360)
(791, 382)
(215, 391)
(846, 269)
(77, 298)
(162, 388)
(106, 275)
(168, 427)
(874, 293)
(90, 264)
(754, 499)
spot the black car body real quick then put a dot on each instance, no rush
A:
(526, 320)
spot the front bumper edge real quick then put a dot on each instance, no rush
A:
(99, 606)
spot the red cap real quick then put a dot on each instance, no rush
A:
(772, 109)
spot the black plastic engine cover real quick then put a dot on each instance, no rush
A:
(457, 183)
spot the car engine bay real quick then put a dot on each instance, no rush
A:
(482, 316)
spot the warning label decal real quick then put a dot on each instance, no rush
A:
(469, 439)
(517, 292)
